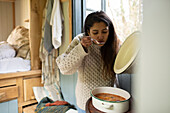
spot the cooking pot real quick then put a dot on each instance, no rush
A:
(111, 106)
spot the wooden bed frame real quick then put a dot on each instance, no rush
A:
(19, 85)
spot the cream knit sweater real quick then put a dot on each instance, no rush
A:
(88, 65)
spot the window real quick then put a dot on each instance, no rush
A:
(126, 15)
(93, 5)
(81, 8)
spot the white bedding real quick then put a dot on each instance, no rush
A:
(6, 50)
(15, 64)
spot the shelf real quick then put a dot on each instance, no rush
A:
(19, 74)
(27, 103)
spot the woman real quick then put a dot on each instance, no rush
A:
(92, 54)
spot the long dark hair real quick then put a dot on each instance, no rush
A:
(110, 48)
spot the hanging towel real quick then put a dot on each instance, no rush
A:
(50, 71)
(48, 28)
(56, 22)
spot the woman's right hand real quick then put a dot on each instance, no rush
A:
(86, 41)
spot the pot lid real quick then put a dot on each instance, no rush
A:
(127, 53)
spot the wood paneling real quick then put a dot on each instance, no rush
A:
(9, 93)
(12, 86)
(30, 109)
(22, 12)
(68, 84)
(70, 21)
(6, 20)
(28, 85)
(20, 74)
(7, 82)
(36, 13)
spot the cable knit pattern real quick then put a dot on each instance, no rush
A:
(89, 66)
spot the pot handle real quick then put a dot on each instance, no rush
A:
(108, 106)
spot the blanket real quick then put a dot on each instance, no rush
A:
(42, 107)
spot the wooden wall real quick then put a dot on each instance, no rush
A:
(36, 13)
(22, 12)
(66, 30)
(6, 20)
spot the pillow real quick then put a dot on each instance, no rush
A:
(24, 52)
(19, 39)
(50, 91)
(6, 51)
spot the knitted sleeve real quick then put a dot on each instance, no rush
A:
(72, 58)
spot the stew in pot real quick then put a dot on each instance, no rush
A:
(109, 97)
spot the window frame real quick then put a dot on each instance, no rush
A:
(79, 14)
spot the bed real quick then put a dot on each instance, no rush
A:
(16, 76)
(15, 51)
(19, 63)
(18, 84)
